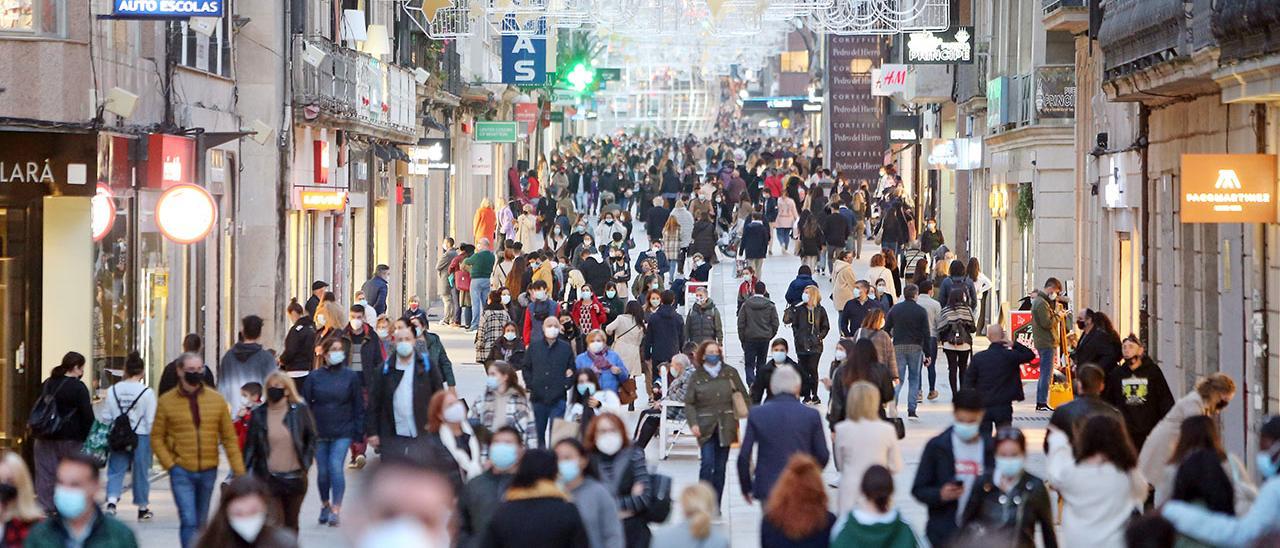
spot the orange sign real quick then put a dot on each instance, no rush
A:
(1229, 188)
(326, 200)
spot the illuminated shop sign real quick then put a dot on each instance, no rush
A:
(186, 214)
(323, 200)
(1228, 188)
(152, 9)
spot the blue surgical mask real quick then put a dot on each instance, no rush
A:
(70, 502)
(966, 430)
(711, 359)
(586, 389)
(404, 349)
(1267, 466)
(503, 455)
(336, 357)
(569, 470)
(779, 356)
(491, 383)
(1009, 467)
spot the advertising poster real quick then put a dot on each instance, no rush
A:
(1021, 330)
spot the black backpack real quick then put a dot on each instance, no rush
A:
(45, 421)
(659, 508)
(121, 437)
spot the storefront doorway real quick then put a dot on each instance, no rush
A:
(20, 305)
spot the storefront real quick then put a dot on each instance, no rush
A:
(316, 228)
(46, 188)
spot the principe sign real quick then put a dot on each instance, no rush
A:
(1228, 188)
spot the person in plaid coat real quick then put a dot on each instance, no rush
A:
(503, 384)
(493, 320)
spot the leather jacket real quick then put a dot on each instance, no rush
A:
(1013, 513)
(301, 426)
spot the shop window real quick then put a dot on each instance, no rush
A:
(32, 17)
(210, 53)
(794, 61)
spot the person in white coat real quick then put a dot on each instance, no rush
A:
(862, 441)
(627, 331)
(1211, 395)
(447, 421)
(1101, 487)
(877, 272)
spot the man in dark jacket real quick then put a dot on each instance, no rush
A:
(366, 348)
(1090, 382)
(594, 272)
(835, 230)
(193, 344)
(1139, 390)
(482, 494)
(664, 336)
(931, 238)
(795, 291)
(318, 289)
(996, 373)
(950, 465)
(246, 362)
(757, 325)
(548, 374)
(781, 427)
(78, 476)
(755, 241)
(655, 253)
(398, 398)
(655, 219)
(908, 322)
(856, 309)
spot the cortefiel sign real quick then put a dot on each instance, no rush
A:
(1229, 188)
(524, 60)
(152, 9)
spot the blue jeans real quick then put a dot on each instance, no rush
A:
(1046, 374)
(784, 237)
(714, 459)
(542, 415)
(755, 354)
(479, 296)
(118, 463)
(191, 494)
(330, 457)
(931, 353)
(909, 363)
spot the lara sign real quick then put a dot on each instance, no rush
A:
(1228, 188)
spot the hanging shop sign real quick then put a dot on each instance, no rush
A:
(1056, 92)
(162, 9)
(1229, 188)
(888, 80)
(957, 154)
(320, 161)
(170, 160)
(482, 159)
(856, 119)
(524, 60)
(949, 47)
(186, 213)
(322, 200)
(102, 212)
(496, 132)
(903, 128)
(430, 154)
(35, 164)
(557, 116)
(526, 116)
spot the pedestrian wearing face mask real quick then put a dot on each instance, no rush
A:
(505, 403)
(602, 361)
(588, 313)
(622, 467)
(1008, 502)
(366, 353)
(298, 356)
(508, 348)
(758, 323)
(535, 511)
(246, 518)
(191, 422)
(1137, 388)
(72, 405)
(1046, 329)
(79, 521)
(614, 301)
(281, 446)
(19, 512)
(481, 496)
(950, 466)
(710, 411)
(648, 279)
(246, 361)
(335, 395)
(665, 334)
(399, 395)
(447, 427)
(595, 504)
(549, 374)
(493, 322)
(1211, 395)
(703, 322)
(541, 307)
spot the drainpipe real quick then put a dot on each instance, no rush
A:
(283, 157)
(1258, 321)
(1149, 296)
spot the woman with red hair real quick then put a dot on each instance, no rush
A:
(796, 514)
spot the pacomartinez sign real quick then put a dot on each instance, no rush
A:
(1228, 188)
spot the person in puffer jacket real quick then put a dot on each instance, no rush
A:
(757, 325)
(703, 320)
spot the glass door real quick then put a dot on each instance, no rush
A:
(20, 309)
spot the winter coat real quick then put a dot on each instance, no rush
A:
(760, 390)
(757, 319)
(878, 374)
(1142, 395)
(685, 218)
(104, 532)
(654, 220)
(71, 400)
(956, 327)
(536, 516)
(704, 240)
(302, 429)
(1155, 453)
(299, 346)
(795, 291)
(782, 427)
(908, 322)
(930, 240)
(664, 336)
(877, 273)
(957, 283)
(335, 396)
(884, 346)
(938, 468)
(477, 503)
(836, 229)
(178, 441)
(589, 315)
(1099, 348)
(608, 379)
(703, 323)
(811, 236)
(519, 414)
(371, 354)
(244, 363)
(483, 223)
(996, 373)
(595, 273)
(535, 314)
(755, 240)
(599, 513)
(853, 312)
(427, 380)
(1044, 321)
(1017, 511)
(708, 404)
(787, 213)
(492, 323)
(627, 338)
(545, 367)
(843, 279)
(809, 327)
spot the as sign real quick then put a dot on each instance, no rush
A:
(524, 60)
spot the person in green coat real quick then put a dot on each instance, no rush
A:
(1046, 334)
(874, 522)
(79, 517)
(709, 408)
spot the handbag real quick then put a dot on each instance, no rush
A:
(562, 429)
(627, 391)
(659, 508)
(891, 417)
(740, 409)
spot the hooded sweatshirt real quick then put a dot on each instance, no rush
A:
(244, 363)
(757, 319)
(1142, 395)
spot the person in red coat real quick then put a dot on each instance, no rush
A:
(588, 312)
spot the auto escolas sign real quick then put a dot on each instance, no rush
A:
(167, 8)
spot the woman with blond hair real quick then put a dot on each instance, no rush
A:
(1211, 395)
(862, 440)
(809, 325)
(698, 504)
(796, 514)
(18, 508)
(281, 444)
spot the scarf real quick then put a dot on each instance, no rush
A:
(598, 360)
(193, 402)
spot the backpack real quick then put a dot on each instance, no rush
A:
(659, 508)
(540, 313)
(45, 420)
(121, 437)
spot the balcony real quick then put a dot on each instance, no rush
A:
(1066, 15)
(971, 82)
(1156, 48)
(1044, 97)
(346, 89)
(1249, 36)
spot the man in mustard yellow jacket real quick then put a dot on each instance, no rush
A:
(191, 422)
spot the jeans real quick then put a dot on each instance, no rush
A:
(450, 301)
(581, 199)
(957, 363)
(784, 238)
(994, 418)
(891, 246)
(909, 359)
(755, 352)
(714, 459)
(673, 268)
(931, 354)
(1047, 356)
(329, 470)
(542, 415)
(191, 494)
(118, 463)
(479, 296)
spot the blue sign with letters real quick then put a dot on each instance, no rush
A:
(524, 60)
(152, 9)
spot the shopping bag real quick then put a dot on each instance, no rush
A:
(96, 444)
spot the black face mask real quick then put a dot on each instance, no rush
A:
(1080, 324)
(275, 394)
(193, 378)
(7, 493)
(1220, 405)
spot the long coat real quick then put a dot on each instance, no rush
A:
(844, 280)
(704, 240)
(708, 404)
(627, 338)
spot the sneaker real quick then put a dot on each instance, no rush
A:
(144, 514)
(325, 515)
(913, 415)
(334, 521)
(933, 395)
(111, 509)
(1043, 407)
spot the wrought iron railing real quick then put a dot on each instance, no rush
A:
(1051, 5)
(347, 84)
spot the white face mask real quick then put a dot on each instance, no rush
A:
(357, 324)
(510, 336)
(540, 295)
(596, 347)
(857, 293)
(551, 332)
(402, 531)
(609, 443)
(840, 355)
(585, 295)
(248, 527)
(779, 356)
(506, 299)
(382, 333)
(455, 413)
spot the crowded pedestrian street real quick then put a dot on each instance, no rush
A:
(639, 273)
